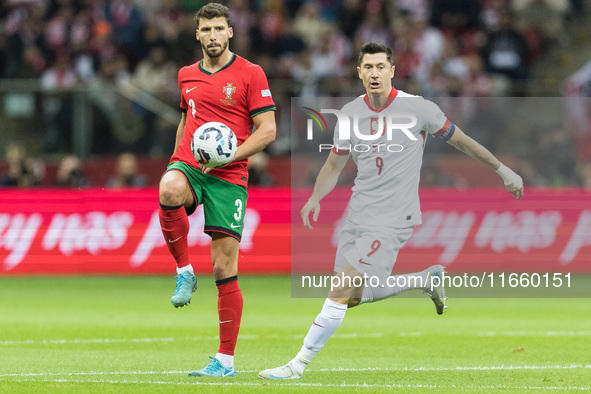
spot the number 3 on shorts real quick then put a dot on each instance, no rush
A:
(238, 214)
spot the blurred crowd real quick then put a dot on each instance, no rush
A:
(446, 48)
(443, 47)
(25, 171)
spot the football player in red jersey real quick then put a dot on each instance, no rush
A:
(226, 88)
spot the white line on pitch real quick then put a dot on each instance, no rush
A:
(250, 337)
(162, 339)
(394, 369)
(300, 384)
(534, 333)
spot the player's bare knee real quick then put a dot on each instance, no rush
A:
(221, 261)
(172, 191)
(218, 270)
(223, 269)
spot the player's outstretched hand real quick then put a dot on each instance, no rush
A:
(517, 191)
(205, 170)
(513, 182)
(312, 206)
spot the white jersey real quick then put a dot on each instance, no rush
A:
(386, 190)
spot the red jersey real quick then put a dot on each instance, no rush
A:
(232, 95)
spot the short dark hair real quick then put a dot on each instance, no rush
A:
(211, 11)
(375, 47)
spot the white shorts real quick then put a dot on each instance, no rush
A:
(371, 251)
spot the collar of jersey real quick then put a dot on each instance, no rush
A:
(391, 97)
(223, 68)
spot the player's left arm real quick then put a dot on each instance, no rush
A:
(264, 134)
(469, 146)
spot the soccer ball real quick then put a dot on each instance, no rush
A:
(214, 144)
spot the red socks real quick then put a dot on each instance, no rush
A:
(230, 312)
(175, 228)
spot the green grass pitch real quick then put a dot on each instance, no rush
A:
(121, 334)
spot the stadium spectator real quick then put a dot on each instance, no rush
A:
(81, 29)
(151, 38)
(22, 171)
(243, 17)
(478, 82)
(57, 83)
(23, 29)
(70, 173)
(33, 64)
(456, 16)
(127, 173)
(506, 52)
(373, 27)
(183, 50)
(546, 16)
(288, 44)
(167, 18)
(348, 19)
(304, 76)
(156, 74)
(245, 24)
(258, 173)
(454, 64)
(328, 60)
(427, 42)
(436, 85)
(58, 27)
(106, 103)
(271, 16)
(308, 24)
(127, 23)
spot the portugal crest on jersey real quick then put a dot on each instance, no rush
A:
(228, 90)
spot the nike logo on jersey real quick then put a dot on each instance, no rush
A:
(225, 321)
(188, 90)
(174, 240)
(363, 262)
(234, 225)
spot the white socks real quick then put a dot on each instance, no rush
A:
(325, 324)
(185, 268)
(333, 313)
(395, 285)
(226, 360)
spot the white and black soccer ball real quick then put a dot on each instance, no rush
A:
(214, 144)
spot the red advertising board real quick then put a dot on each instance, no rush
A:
(99, 231)
(469, 231)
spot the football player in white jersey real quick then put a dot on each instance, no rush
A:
(384, 206)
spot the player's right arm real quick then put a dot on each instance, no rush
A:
(180, 131)
(325, 181)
